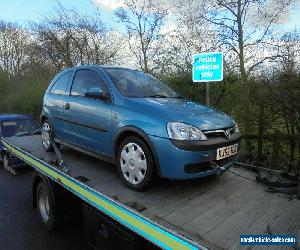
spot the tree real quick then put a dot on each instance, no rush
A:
(284, 89)
(143, 20)
(289, 51)
(67, 38)
(13, 46)
(245, 27)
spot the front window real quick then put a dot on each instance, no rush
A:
(133, 83)
(18, 127)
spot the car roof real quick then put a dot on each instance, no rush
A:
(99, 66)
(88, 66)
(9, 117)
(115, 67)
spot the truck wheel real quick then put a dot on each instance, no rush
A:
(5, 162)
(46, 207)
(6, 165)
(135, 163)
(47, 136)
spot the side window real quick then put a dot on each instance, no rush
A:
(60, 86)
(87, 80)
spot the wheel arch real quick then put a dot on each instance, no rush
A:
(134, 131)
(43, 117)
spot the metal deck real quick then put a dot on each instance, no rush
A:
(212, 211)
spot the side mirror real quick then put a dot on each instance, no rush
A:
(97, 95)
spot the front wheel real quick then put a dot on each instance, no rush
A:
(5, 162)
(135, 163)
(6, 165)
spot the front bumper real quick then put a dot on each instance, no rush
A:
(178, 164)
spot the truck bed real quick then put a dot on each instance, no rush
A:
(211, 211)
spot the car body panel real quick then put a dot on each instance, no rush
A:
(173, 160)
(54, 108)
(80, 128)
(182, 110)
(158, 112)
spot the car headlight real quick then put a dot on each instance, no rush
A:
(182, 131)
(236, 129)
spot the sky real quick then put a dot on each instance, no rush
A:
(34, 10)
(23, 11)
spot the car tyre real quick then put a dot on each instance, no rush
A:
(135, 163)
(5, 162)
(47, 211)
(47, 137)
(6, 165)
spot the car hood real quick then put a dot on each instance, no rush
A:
(182, 110)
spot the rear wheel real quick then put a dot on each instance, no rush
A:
(46, 207)
(47, 136)
(135, 163)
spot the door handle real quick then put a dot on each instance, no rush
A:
(67, 106)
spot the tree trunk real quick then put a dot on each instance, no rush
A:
(275, 153)
(243, 76)
(241, 42)
(292, 142)
(260, 133)
(146, 69)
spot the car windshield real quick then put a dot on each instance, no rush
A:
(133, 83)
(18, 127)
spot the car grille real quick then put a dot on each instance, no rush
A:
(225, 161)
(198, 167)
(207, 166)
(219, 133)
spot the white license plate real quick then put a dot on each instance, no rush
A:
(226, 151)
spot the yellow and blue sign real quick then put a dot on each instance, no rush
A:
(208, 67)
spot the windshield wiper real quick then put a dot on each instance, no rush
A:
(22, 133)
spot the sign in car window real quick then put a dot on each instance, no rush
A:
(9, 123)
(208, 67)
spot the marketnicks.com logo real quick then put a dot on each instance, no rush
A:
(267, 240)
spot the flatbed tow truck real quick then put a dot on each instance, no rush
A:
(208, 213)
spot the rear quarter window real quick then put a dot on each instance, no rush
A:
(60, 85)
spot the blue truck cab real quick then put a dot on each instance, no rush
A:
(15, 125)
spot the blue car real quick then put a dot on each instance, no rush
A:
(15, 125)
(135, 121)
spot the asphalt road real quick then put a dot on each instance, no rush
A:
(19, 224)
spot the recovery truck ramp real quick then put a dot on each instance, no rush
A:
(205, 213)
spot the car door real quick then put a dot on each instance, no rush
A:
(54, 103)
(88, 119)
